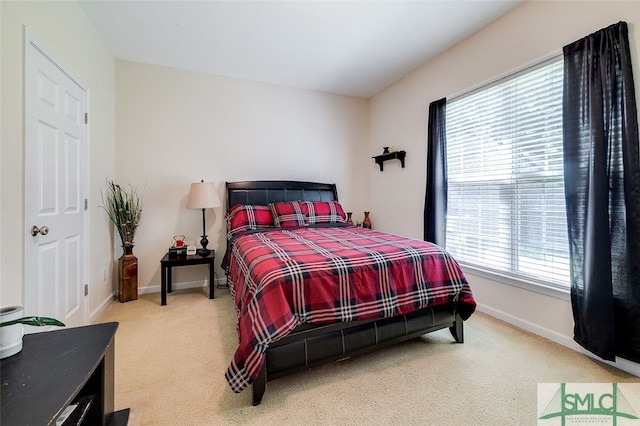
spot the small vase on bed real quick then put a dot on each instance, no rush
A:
(349, 220)
(366, 223)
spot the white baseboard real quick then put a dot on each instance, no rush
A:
(182, 285)
(529, 326)
(101, 308)
(567, 341)
(156, 289)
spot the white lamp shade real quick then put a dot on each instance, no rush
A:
(203, 195)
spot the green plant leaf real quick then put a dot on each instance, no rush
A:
(124, 209)
(35, 321)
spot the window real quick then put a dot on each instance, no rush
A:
(506, 206)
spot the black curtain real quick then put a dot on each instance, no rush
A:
(602, 183)
(435, 204)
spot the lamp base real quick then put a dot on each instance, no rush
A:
(204, 251)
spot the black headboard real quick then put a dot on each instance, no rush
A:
(263, 192)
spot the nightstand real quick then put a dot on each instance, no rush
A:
(168, 263)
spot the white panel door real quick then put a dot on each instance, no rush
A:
(55, 189)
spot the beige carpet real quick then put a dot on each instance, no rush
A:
(170, 364)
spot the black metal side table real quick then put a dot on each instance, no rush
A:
(168, 263)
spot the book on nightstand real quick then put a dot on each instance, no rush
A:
(175, 252)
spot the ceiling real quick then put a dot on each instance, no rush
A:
(354, 48)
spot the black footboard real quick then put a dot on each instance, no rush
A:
(311, 346)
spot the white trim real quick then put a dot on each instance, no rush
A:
(508, 74)
(183, 286)
(95, 315)
(621, 364)
(538, 287)
(31, 39)
(527, 326)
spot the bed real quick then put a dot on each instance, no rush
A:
(310, 288)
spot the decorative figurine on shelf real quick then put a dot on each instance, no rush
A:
(349, 220)
(366, 223)
(385, 149)
(178, 241)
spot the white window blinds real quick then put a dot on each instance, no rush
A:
(506, 206)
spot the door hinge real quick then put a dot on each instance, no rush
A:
(86, 204)
(86, 289)
(86, 118)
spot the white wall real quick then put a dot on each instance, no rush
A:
(175, 127)
(399, 116)
(66, 32)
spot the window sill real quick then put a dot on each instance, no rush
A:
(538, 287)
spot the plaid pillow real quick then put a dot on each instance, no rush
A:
(325, 212)
(246, 217)
(289, 214)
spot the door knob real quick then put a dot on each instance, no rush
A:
(42, 231)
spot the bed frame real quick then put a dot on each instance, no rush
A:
(308, 345)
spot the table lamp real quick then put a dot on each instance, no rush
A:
(203, 195)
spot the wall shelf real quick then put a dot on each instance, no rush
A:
(380, 159)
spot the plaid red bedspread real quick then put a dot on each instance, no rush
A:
(282, 278)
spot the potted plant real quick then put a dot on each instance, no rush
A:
(124, 207)
(11, 328)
